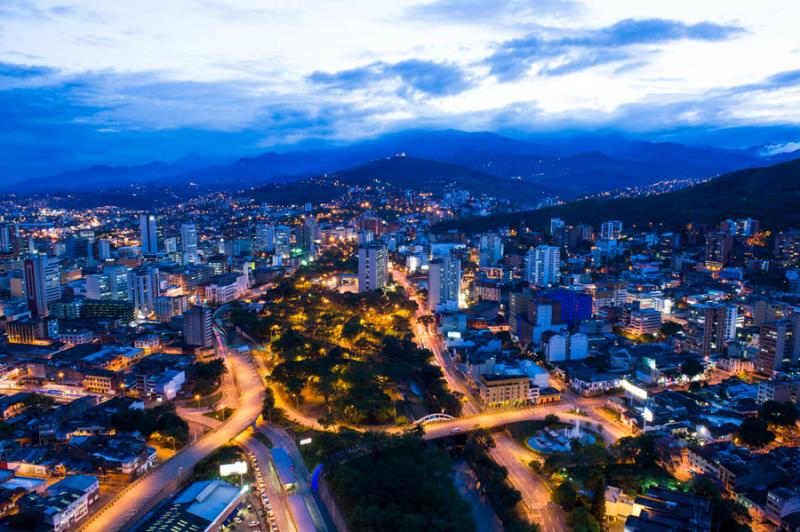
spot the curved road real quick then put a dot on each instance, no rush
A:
(127, 504)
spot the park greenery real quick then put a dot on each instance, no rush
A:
(160, 424)
(354, 351)
(391, 483)
(207, 376)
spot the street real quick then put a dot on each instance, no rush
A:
(129, 503)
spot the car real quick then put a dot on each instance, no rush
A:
(253, 523)
(457, 429)
(274, 526)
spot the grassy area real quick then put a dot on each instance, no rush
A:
(523, 430)
(222, 414)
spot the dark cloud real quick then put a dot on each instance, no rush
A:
(415, 75)
(584, 49)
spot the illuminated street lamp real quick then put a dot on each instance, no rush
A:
(197, 398)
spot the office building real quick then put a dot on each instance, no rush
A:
(9, 238)
(611, 230)
(372, 265)
(143, 288)
(98, 286)
(309, 240)
(490, 249)
(542, 265)
(189, 242)
(444, 283)
(778, 345)
(117, 281)
(283, 240)
(149, 230)
(265, 238)
(718, 250)
(710, 326)
(197, 327)
(504, 390)
(167, 307)
(42, 283)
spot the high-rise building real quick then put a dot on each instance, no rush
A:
(149, 230)
(197, 327)
(543, 264)
(490, 249)
(310, 235)
(710, 325)
(611, 230)
(778, 345)
(718, 250)
(556, 224)
(787, 246)
(98, 286)
(103, 249)
(168, 307)
(117, 281)
(283, 240)
(189, 242)
(372, 262)
(265, 238)
(143, 288)
(8, 238)
(42, 283)
(444, 283)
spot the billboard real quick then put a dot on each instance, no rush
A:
(236, 468)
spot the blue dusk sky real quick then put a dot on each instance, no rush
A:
(120, 82)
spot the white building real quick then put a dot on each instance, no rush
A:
(543, 264)
(265, 237)
(444, 283)
(611, 230)
(372, 263)
(189, 242)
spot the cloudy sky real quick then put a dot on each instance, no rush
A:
(120, 81)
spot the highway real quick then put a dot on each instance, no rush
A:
(126, 505)
(272, 486)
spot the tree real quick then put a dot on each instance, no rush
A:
(581, 520)
(670, 328)
(551, 419)
(599, 501)
(37, 403)
(755, 432)
(566, 495)
(778, 413)
(691, 367)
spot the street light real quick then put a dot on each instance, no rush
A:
(197, 398)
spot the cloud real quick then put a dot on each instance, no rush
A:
(481, 11)
(21, 72)
(583, 49)
(415, 75)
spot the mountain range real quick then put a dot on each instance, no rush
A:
(569, 166)
(400, 173)
(770, 194)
